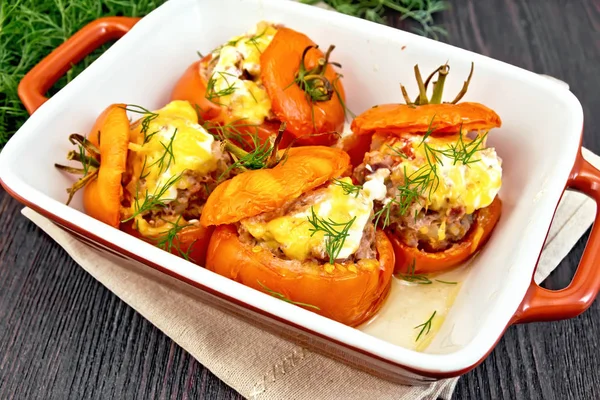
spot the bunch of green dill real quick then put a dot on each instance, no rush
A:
(31, 29)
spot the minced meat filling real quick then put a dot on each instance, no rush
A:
(366, 249)
(418, 227)
(189, 201)
(431, 230)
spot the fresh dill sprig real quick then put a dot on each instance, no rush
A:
(458, 152)
(348, 188)
(281, 296)
(255, 159)
(237, 130)
(446, 282)
(212, 93)
(413, 187)
(398, 152)
(420, 11)
(253, 39)
(347, 111)
(463, 152)
(425, 181)
(425, 327)
(410, 275)
(142, 175)
(335, 233)
(233, 42)
(421, 183)
(153, 200)
(263, 155)
(148, 117)
(168, 240)
(386, 213)
(164, 161)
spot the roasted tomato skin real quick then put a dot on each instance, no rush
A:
(442, 119)
(398, 119)
(110, 134)
(356, 146)
(342, 295)
(310, 123)
(307, 123)
(259, 191)
(192, 241)
(192, 87)
(426, 262)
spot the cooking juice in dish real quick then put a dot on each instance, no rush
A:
(416, 308)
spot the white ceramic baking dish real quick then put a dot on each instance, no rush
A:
(539, 142)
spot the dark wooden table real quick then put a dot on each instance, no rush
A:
(63, 335)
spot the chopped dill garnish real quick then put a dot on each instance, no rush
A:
(424, 182)
(164, 161)
(263, 155)
(398, 152)
(168, 240)
(253, 39)
(335, 233)
(463, 152)
(281, 296)
(154, 200)
(142, 175)
(413, 187)
(148, 117)
(425, 327)
(212, 93)
(236, 130)
(446, 282)
(255, 159)
(348, 188)
(347, 111)
(410, 276)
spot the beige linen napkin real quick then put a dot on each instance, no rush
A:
(260, 365)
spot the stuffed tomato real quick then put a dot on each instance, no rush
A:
(442, 179)
(269, 76)
(303, 233)
(150, 178)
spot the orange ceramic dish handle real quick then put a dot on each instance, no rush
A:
(542, 304)
(36, 83)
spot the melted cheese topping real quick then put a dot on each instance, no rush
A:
(473, 185)
(245, 98)
(175, 144)
(293, 234)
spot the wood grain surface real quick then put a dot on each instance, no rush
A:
(64, 336)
